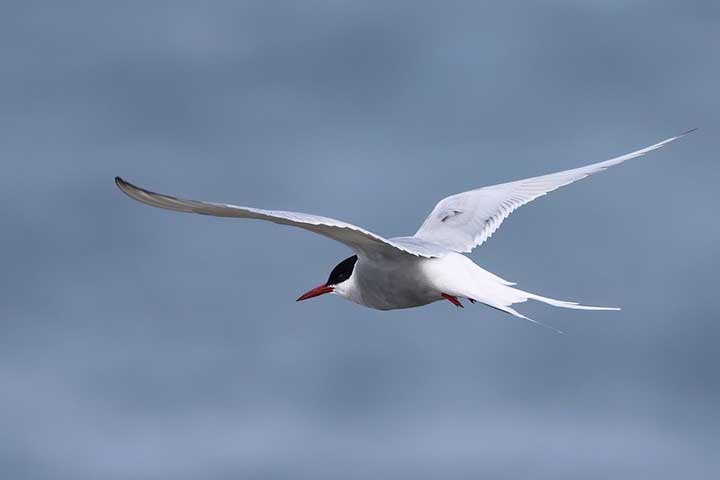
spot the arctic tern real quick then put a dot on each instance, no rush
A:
(405, 272)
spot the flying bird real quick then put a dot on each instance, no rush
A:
(411, 271)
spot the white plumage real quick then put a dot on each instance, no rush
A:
(464, 221)
(406, 272)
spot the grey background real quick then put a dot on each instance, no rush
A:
(142, 344)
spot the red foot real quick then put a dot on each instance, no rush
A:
(452, 300)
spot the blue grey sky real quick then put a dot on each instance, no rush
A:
(137, 343)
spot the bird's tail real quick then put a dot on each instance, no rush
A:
(512, 295)
(501, 295)
(564, 303)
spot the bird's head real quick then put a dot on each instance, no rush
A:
(338, 281)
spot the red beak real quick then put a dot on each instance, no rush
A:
(317, 291)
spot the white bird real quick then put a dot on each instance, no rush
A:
(405, 272)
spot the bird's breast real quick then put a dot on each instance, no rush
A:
(391, 286)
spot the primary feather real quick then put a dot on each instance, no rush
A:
(360, 240)
(466, 220)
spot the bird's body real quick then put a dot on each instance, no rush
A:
(417, 281)
(414, 282)
(382, 285)
(412, 271)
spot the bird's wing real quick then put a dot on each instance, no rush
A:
(360, 240)
(464, 221)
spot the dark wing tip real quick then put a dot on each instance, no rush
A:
(125, 187)
(688, 132)
(123, 184)
(129, 189)
(149, 197)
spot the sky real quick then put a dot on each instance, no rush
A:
(137, 343)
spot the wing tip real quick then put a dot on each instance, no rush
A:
(122, 184)
(133, 190)
(688, 132)
(128, 188)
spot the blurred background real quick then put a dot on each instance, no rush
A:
(137, 343)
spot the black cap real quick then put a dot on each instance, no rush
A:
(342, 271)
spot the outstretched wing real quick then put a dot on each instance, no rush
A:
(360, 240)
(464, 221)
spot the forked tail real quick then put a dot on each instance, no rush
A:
(485, 287)
(563, 303)
(502, 296)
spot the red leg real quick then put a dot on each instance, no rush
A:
(453, 300)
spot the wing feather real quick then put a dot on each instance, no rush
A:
(466, 220)
(360, 240)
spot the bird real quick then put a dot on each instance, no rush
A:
(429, 266)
